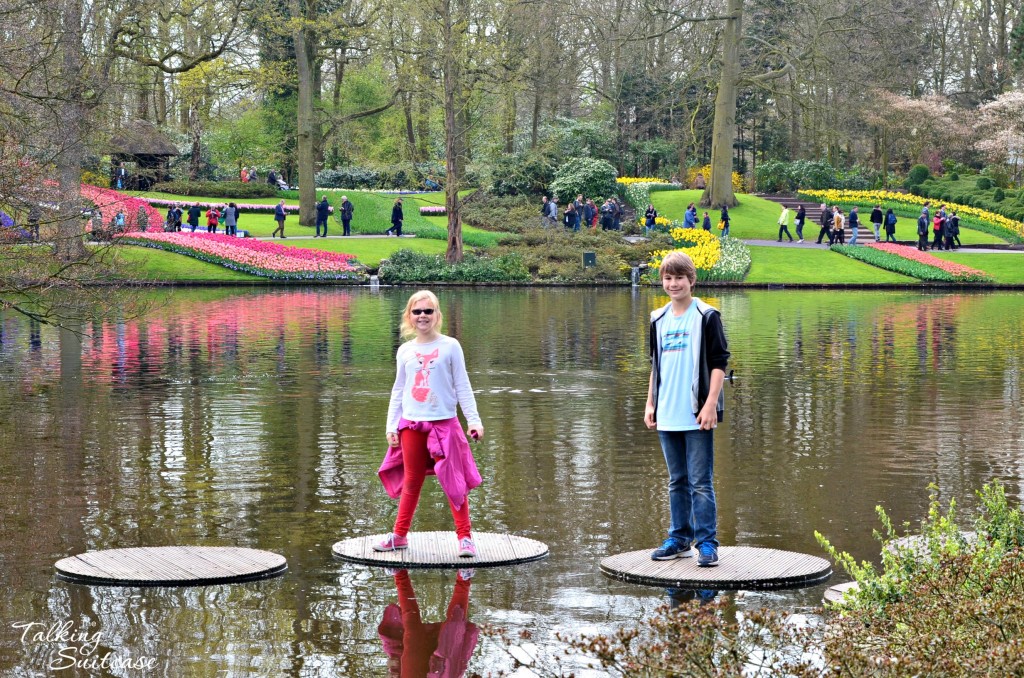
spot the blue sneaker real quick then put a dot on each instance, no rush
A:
(671, 549)
(708, 556)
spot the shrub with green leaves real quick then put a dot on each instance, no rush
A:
(983, 183)
(998, 195)
(587, 176)
(406, 266)
(916, 176)
(521, 174)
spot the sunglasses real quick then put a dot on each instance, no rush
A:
(423, 311)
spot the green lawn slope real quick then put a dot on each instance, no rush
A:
(1007, 269)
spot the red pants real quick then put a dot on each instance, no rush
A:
(417, 461)
(419, 640)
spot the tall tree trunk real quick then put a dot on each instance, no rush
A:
(410, 126)
(719, 188)
(305, 146)
(535, 118)
(454, 120)
(69, 244)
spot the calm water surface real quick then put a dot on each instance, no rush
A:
(256, 418)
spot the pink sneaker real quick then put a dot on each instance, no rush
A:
(392, 542)
(467, 549)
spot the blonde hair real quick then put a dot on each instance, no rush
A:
(406, 329)
(678, 263)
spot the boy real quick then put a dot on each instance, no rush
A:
(685, 402)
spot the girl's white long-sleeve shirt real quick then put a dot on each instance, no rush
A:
(431, 380)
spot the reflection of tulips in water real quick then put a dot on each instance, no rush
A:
(436, 650)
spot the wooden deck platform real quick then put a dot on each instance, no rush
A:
(171, 566)
(739, 567)
(440, 550)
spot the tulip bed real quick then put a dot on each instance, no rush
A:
(109, 201)
(242, 206)
(912, 262)
(715, 258)
(433, 211)
(256, 257)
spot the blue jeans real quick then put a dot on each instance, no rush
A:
(691, 495)
(853, 235)
(725, 231)
(321, 222)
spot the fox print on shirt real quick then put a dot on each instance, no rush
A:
(421, 386)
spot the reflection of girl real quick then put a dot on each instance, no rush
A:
(441, 649)
(423, 432)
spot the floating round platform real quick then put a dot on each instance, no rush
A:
(739, 567)
(440, 550)
(835, 594)
(171, 566)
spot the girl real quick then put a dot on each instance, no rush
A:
(423, 431)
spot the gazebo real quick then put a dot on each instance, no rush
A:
(145, 151)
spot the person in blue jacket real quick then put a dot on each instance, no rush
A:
(323, 210)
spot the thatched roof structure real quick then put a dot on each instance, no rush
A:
(141, 138)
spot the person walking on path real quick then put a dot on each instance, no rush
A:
(347, 208)
(922, 230)
(606, 215)
(588, 213)
(231, 219)
(890, 226)
(396, 219)
(826, 224)
(801, 219)
(854, 224)
(876, 222)
(784, 224)
(616, 215)
(194, 213)
(954, 227)
(323, 210)
(569, 217)
(838, 236)
(423, 430)
(950, 229)
(577, 210)
(706, 224)
(725, 221)
(689, 216)
(685, 402)
(279, 215)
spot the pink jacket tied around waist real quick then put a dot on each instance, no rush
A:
(454, 465)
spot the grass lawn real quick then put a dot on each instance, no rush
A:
(372, 215)
(1005, 268)
(814, 264)
(757, 219)
(370, 251)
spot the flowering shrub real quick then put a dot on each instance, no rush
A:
(715, 258)
(638, 193)
(109, 201)
(997, 223)
(256, 257)
(911, 261)
(433, 211)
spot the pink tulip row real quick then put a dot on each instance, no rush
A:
(433, 211)
(914, 254)
(243, 206)
(109, 201)
(253, 256)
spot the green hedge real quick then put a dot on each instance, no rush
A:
(217, 189)
(408, 266)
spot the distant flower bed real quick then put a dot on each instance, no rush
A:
(715, 258)
(242, 206)
(912, 262)
(257, 257)
(109, 202)
(626, 181)
(433, 211)
(1002, 225)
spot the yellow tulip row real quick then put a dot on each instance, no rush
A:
(832, 196)
(703, 247)
(626, 181)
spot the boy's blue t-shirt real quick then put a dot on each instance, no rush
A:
(680, 341)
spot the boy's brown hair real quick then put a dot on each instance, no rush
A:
(678, 263)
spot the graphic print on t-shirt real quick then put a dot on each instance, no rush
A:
(421, 385)
(675, 340)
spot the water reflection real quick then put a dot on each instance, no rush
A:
(255, 418)
(416, 649)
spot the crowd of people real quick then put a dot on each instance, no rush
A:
(583, 213)
(215, 215)
(275, 178)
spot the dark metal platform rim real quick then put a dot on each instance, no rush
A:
(749, 584)
(66, 572)
(461, 564)
(209, 581)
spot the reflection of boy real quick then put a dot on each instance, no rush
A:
(685, 402)
(415, 649)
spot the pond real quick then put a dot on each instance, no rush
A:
(256, 418)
